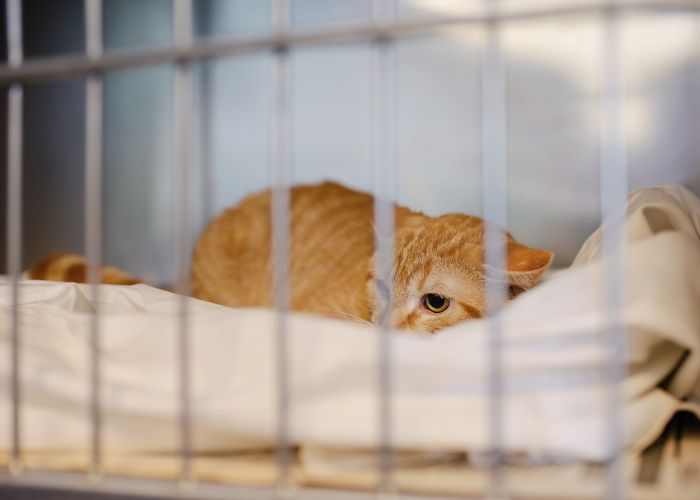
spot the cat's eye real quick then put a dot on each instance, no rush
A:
(435, 303)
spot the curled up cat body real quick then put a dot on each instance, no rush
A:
(439, 276)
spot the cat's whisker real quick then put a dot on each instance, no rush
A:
(350, 317)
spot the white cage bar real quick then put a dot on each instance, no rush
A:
(384, 28)
(14, 220)
(614, 188)
(182, 94)
(281, 173)
(93, 218)
(495, 213)
(384, 173)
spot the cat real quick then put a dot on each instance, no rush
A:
(439, 277)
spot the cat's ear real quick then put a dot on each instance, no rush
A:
(524, 267)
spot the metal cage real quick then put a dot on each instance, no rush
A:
(183, 53)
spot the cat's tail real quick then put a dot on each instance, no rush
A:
(74, 268)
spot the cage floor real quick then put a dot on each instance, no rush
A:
(668, 469)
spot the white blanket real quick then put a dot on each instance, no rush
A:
(555, 399)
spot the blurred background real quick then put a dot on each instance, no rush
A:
(554, 81)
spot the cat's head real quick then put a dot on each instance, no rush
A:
(439, 276)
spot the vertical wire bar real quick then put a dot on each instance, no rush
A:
(281, 239)
(14, 221)
(495, 207)
(206, 143)
(613, 188)
(384, 170)
(93, 220)
(182, 19)
(203, 104)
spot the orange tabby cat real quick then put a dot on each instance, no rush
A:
(439, 276)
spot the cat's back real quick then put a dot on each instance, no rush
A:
(331, 244)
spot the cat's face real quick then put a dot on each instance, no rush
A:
(439, 277)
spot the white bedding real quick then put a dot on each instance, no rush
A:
(554, 360)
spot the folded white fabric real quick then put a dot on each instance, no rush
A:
(555, 393)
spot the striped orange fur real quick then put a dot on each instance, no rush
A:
(74, 268)
(332, 264)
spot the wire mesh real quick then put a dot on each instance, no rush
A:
(63, 67)
(384, 29)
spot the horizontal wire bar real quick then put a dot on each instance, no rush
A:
(72, 66)
(154, 488)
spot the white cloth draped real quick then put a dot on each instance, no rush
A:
(555, 398)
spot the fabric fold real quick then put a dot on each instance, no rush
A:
(554, 358)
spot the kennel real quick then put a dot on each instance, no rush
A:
(390, 463)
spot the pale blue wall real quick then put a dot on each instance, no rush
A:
(553, 96)
(139, 172)
(553, 112)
